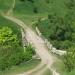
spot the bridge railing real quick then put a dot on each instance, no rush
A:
(49, 45)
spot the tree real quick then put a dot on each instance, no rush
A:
(35, 10)
(70, 4)
(7, 37)
(9, 46)
(11, 52)
(69, 59)
(22, 0)
(47, 1)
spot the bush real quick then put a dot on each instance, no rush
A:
(35, 10)
(11, 52)
(58, 30)
(69, 59)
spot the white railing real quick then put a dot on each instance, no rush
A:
(49, 45)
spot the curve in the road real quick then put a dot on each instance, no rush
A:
(37, 42)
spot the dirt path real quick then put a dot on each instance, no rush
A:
(37, 42)
(35, 70)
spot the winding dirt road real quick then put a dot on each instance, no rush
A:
(40, 47)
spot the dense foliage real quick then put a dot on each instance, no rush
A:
(60, 30)
(11, 52)
(69, 59)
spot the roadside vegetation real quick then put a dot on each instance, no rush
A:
(11, 48)
(56, 21)
(33, 9)
(47, 72)
(5, 5)
(59, 29)
(21, 68)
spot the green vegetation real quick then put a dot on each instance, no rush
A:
(58, 11)
(71, 73)
(59, 26)
(69, 59)
(60, 35)
(10, 52)
(5, 5)
(11, 49)
(32, 10)
(59, 29)
(23, 67)
(47, 72)
(55, 20)
(59, 66)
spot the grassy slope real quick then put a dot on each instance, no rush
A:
(59, 66)
(5, 5)
(47, 72)
(71, 73)
(21, 68)
(13, 26)
(24, 10)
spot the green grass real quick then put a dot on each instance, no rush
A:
(23, 67)
(59, 66)
(70, 73)
(5, 5)
(24, 10)
(28, 19)
(47, 72)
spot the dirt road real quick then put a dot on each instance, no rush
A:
(37, 42)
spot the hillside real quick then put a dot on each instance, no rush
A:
(37, 32)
